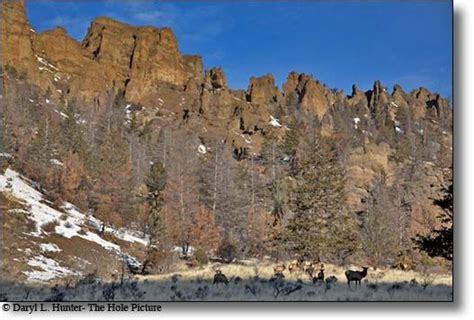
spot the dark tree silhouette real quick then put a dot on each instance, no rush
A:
(439, 243)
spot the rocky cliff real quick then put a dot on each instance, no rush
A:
(145, 64)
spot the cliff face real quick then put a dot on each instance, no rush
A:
(113, 57)
(146, 65)
(140, 58)
(16, 35)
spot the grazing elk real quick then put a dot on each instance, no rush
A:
(277, 277)
(356, 276)
(319, 277)
(331, 279)
(219, 277)
(307, 265)
(279, 268)
(310, 271)
(292, 266)
(296, 265)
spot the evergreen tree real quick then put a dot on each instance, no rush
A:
(73, 138)
(289, 146)
(155, 183)
(157, 247)
(439, 243)
(321, 227)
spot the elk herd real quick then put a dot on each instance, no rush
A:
(313, 269)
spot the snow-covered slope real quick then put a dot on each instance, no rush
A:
(69, 222)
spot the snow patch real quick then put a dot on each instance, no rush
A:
(356, 122)
(50, 269)
(45, 69)
(56, 162)
(398, 129)
(62, 114)
(44, 62)
(181, 251)
(202, 149)
(49, 247)
(275, 122)
(41, 213)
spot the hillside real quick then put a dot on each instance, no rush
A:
(45, 246)
(117, 150)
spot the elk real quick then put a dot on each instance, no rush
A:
(319, 277)
(277, 277)
(310, 271)
(307, 265)
(279, 268)
(296, 265)
(219, 277)
(356, 276)
(331, 279)
(292, 266)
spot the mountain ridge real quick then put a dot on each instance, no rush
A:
(115, 56)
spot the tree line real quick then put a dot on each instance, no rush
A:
(287, 198)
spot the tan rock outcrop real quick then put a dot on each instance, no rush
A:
(311, 95)
(365, 165)
(113, 57)
(358, 99)
(378, 97)
(262, 90)
(215, 79)
(16, 33)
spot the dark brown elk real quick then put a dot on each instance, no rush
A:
(331, 279)
(310, 271)
(319, 277)
(219, 277)
(356, 276)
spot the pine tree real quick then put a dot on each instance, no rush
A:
(289, 146)
(321, 227)
(156, 182)
(158, 247)
(439, 243)
(73, 137)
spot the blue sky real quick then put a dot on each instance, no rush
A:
(338, 42)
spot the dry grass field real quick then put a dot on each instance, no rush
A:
(247, 283)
